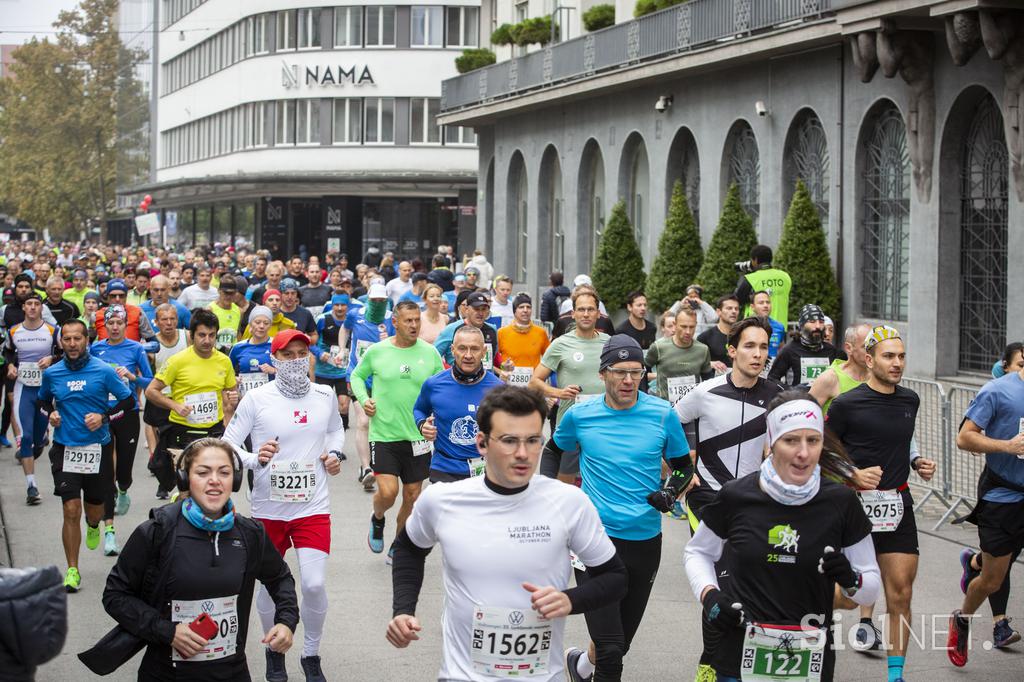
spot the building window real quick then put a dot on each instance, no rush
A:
(459, 135)
(427, 27)
(745, 169)
(307, 121)
(348, 26)
(463, 26)
(984, 236)
(380, 120)
(257, 35)
(423, 128)
(807, 159)
(885, 237)
(254, 114)
(309, 28)
(286, 30)
(285, 133)
(348, 121)
(380, 26)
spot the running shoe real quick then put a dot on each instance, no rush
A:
(32, 496)
(110, 547)
(968, 573)
(572, 658)
(5, 441)
(1003, 635)
(366, 478)
(678, 512)
(162, 494)
(92, 536)
(867, 637)
(276, 669)
(958, 642)
(122, 503)
(72, 580)
(389, 558)
(311, 669)
(705, 673)
(375, 538)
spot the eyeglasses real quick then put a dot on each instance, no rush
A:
(116, 295)
(620, 374)
(510, 444)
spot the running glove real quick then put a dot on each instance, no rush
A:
(836, 566)
(665, 499)
(721, 611)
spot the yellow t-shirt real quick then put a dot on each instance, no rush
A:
(192, 380)
(227, 333)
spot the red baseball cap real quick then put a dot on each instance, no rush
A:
(283, 338)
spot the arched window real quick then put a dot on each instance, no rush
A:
(885, 217)
(634, 185)
(551, 208)
(684, 166)
(983, 239)
(807, 159)
(517, 214)
(744, 168)
(590, 204)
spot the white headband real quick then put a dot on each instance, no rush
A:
(794, 415)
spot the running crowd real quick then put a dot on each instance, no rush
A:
(790, 459)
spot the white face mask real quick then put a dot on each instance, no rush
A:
(292, 376)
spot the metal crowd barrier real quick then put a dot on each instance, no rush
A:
(938, 421)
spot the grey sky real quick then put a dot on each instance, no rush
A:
(21, 19)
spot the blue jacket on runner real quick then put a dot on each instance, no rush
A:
(78, 393)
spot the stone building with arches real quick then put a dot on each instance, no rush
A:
(903, 117)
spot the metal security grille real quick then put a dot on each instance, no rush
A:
(983, 239)
(745, 170)
(885, 222)
(809, 161)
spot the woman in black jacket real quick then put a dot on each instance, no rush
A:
(199, 557)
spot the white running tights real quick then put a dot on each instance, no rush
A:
(313, 609)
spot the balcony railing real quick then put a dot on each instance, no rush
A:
(679, 29)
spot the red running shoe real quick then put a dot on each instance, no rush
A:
(959, 640)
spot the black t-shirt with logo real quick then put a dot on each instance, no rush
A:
(775, 550)
(716, 342)
(876, 429)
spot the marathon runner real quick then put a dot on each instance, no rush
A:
(160, 290)
(228, 313)
(521, 343)
(624, 430)
(445, 411)
(716, 338)
(679, 361)
(61, 309)
(31, 347)
(843, 376)
(137, 326)
(474, 307)
(806, 357)
(576, 358)
(875, 423)
(816, 537)
(366, 326)
(398, 366)
(203, 395)
(761, 303)
(171, 340)
(725, 421)
(74, 394)
(994, 425)
(129, 361)
(332, 351)
(301, 436)
(504, 536)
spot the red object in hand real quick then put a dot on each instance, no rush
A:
(204, 626)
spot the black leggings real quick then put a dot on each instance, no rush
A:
(998, 599)
(612, 628)
(176, 436)
(124, 435)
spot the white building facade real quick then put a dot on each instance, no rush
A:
(304, 129)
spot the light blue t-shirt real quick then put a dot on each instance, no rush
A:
(998, 410)
(620, 459)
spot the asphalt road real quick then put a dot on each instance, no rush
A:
(666, 648)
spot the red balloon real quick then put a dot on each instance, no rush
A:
(148, 199)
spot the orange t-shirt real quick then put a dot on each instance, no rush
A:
(524, 348)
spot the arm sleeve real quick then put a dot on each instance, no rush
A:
(710, 316)
(699, 557)
(706, 370)
(862, 558)
(836, 419)
(688, 407)
(145, 328)
(651, 357)
(407, 574)
(239, 428)
(11, 352)
(743, 291)
(275, 575)
(781, 365)
(606, 585)
(145, 372)
(443, 343)
(335, 431)
(121, 596)
(115, 386)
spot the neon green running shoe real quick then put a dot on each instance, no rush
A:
(72, 581)
(92, 536)
(705, 673)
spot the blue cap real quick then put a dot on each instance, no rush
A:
(117, 285)
(288, 284)
(337, 299)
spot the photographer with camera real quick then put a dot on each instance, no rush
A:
(694, 300)
(758, 274)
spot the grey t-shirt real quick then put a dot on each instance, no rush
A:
(576, 361)
(679, 369)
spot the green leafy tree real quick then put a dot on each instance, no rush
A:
(648, 6)
(619, 266)
(534, 30)
(679, 254)
(732, 241)
(598, 17)
(803, 253)
(71, 122)
(503, 35)
(473, 59)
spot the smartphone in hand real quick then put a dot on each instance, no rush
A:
(204, 626)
